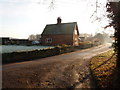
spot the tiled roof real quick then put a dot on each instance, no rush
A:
(63, 28)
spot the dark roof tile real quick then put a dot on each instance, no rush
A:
(63, 28)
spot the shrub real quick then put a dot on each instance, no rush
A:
(35, 54)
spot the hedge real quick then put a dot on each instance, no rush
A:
(35, 54)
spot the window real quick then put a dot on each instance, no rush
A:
(48, 40)
(75, 32)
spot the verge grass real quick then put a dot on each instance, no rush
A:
(104, 75)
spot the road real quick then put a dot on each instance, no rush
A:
(61, 71)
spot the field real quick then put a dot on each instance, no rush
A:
(18, 48)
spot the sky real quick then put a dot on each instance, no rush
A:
(21, 18)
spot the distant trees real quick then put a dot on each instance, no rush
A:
(33, 37)
(103, 37)
(99, 37)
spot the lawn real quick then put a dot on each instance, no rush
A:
(104, 75)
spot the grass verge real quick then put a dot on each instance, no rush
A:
(104, 75)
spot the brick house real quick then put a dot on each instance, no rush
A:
(60, 33)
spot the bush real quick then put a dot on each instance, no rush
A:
(35, 54)
(28, 55)
(83, 43)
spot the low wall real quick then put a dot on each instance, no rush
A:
(35, 54)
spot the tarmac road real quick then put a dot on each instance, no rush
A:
(61, 71)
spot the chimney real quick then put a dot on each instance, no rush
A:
(59, 20)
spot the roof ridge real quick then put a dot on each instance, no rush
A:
(63, 23)
(63, 28)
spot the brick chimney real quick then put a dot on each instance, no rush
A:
(59, 20)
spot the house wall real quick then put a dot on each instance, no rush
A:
(57, 39)
(75, 37)
(75, 40)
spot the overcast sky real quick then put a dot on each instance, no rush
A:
(20, 18)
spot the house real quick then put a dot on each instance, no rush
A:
(60, 33)
(9, 41)
(82, 39)
(19, 41)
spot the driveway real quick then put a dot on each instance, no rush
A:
(61, 71)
